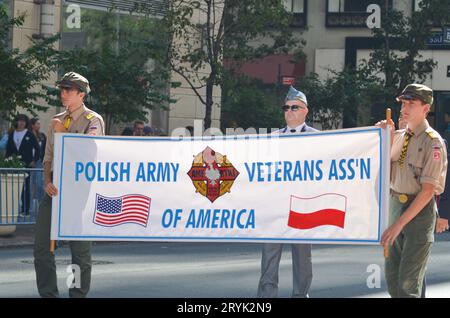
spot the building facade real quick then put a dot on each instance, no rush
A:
(335, 31)
(337, 35)
(47, 17)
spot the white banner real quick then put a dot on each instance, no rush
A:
(325, 187)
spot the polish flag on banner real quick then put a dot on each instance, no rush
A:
(325, 209)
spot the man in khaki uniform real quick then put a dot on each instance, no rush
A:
(80, 120)
(418, 171)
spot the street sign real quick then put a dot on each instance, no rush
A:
(440, 38)
(436, 39)
(288, 80)
(447, 35)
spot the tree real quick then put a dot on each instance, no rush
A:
(248, 103)
(397, 60)
(22, 72)
(118, 64)
(340, 93)
(229, 29)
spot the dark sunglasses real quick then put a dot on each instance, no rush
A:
(293, 108)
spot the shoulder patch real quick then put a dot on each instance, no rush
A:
(432, 134)
(90, 116)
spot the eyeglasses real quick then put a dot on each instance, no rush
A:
(293, 108)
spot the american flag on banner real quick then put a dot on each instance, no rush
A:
(130, 208)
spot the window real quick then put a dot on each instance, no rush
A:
(152, 7)
(90, 26)
(349, 13)
(295, 6)
(336, 5)
(349, 5)
(298, 8)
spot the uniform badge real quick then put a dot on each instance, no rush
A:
(92, 131)
(403, 198)
(89, 116)
(212, 174)
(436, 153)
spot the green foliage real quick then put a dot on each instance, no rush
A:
(22, 72)
(346, 91)
(229, 30)
(119, 63)
(248, 103)
(11, 162)
(363, 94)
(398, 59)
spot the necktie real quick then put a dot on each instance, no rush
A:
(67, 122)
(401, 160)
(293, 130)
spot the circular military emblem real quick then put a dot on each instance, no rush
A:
(212, 174)
(403, 198)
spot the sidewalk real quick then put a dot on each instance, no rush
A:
(23, 236)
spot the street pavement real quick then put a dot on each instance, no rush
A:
(213, 270)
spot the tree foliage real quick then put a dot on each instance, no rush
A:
(205, 32)
(123, 65)
(398, 60)
(22, 72)
(348, 91)
(248, 103)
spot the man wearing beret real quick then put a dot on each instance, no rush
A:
(418, 172)
(295, 110)
(78, 119)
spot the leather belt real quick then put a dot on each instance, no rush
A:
(402, 197)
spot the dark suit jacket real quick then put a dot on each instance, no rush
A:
(29, 143)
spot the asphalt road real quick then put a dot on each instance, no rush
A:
(216, 270)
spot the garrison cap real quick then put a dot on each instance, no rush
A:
(417, 91)
(294, 94)
(73, 79)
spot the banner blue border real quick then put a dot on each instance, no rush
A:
(211, 138)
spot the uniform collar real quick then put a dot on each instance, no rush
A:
(76, 114)
(298, 129)
(419, 129)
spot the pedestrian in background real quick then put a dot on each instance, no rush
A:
(138, 128)
(23, 143)
(37, 177)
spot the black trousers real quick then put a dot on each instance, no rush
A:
(26, 196)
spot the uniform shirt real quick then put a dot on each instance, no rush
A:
(84, 121)
(298, 129)
(425, 161)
